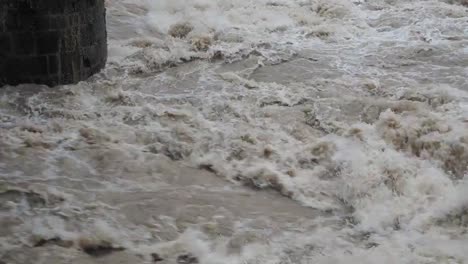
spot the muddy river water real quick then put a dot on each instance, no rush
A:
(248, 132)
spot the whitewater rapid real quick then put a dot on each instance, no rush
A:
(248, 131)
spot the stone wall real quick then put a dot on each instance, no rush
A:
(51, 41)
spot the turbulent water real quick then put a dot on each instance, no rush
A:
(248, 131)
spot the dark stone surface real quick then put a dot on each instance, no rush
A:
(187, 259)
(156, 257)
(51, 41)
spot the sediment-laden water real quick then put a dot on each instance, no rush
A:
(248, 131)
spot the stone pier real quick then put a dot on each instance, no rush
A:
(51, 42)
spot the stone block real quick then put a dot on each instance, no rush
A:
(53, 65)
(24, 43)
(48, 42)
(26, 66)
(70, 67)
(58, 22)
(88, 34)
(5, 44)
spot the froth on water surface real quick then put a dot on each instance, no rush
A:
(284, 131)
